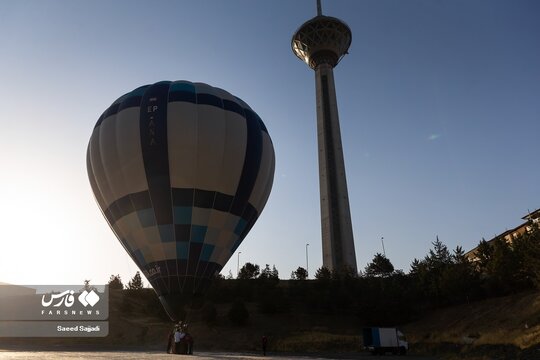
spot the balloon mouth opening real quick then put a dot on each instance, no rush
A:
(175, 309)
(178, 305)
(191, 296)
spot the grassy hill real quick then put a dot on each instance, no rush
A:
(506, 328)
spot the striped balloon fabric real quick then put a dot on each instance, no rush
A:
(181, 172)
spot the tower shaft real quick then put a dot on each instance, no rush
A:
(321, 43)
(337, 234)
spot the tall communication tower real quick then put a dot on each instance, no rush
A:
(321, 43)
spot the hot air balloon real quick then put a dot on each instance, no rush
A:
(181, 171)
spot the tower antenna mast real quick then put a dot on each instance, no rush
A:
(319, 8)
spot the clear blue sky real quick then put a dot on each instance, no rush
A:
(439, 106)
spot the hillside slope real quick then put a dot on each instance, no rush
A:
(511, 320)
(481, 330)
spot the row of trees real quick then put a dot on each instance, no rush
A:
(136, 283)
(442, 276)
(498, 268)
(380, 294)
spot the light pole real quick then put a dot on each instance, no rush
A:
(382, 241)
(238, 265)
(307, 260)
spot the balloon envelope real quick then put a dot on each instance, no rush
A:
(181, 172)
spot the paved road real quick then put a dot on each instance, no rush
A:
(125, 355)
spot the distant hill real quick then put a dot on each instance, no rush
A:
(8, 290)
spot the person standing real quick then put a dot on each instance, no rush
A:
(178, 336)
(264, 342)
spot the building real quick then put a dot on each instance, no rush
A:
(531, 219)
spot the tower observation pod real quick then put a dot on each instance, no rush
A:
(321, 43)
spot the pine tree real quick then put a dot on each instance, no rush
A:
(439, 256)
(380, 266)
(136, 282)
(249, 271)
(274, 274)
(299, 274)
(484, 253)
(527, 250)
(504, 267)
(323, 273)
(115, 282)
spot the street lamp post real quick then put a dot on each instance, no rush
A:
(382, 241)
(238, 265)
(307, 260)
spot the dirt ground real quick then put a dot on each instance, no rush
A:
(128, 355)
